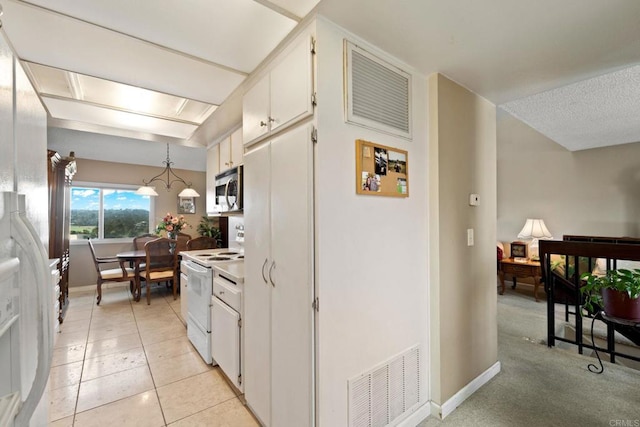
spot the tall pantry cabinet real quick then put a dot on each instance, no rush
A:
(279, 292)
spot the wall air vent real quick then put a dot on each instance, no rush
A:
(381, 396)
(377, 94)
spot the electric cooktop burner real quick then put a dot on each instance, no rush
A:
(228, 253)
(219, 258)
(204, 255)
(240, 257)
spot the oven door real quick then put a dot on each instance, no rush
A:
(198, 310)
(199, 294)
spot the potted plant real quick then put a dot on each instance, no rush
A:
(617, 293)
(208, 228)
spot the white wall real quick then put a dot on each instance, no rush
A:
(371, 251)
(592, 192)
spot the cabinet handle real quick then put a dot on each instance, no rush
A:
(273, 265)
(263, 123)
(226, 163)
(263, 265)
(221, 293)
(271, 119)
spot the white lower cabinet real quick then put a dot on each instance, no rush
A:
(278, 291)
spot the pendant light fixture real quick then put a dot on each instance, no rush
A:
(147, 190)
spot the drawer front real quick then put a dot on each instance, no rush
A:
(519, 269)
(228, 292)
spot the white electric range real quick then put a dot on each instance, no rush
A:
(198, 278)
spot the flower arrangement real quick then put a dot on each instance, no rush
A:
(172, 225)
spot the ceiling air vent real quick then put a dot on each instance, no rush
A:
(381, 396)
(378, 94)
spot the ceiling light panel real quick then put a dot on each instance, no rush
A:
(87, 113)
(235, 33)
(44, 37)
(49, 80)
(597, 112)
(52, 81)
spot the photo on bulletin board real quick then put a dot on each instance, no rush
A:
(381, 170)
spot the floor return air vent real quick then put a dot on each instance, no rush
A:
(379, 397)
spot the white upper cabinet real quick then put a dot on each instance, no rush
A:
(231, 151)
(283, 96)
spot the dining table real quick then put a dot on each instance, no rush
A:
(136, 258)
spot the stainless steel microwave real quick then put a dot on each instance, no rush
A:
(229, 191)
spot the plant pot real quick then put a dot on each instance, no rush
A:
(618, 304)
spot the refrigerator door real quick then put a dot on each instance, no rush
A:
(25, 274)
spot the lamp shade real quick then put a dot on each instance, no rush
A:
(146, 191)
(188, 192)
(535, 229)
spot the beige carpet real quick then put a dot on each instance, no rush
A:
(542, 386)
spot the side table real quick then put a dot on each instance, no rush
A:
(509, 267)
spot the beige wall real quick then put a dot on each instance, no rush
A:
(462, 153)
(81, 270)
(595, 192)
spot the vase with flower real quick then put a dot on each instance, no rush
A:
(172, 225)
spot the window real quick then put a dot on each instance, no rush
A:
(101, 212)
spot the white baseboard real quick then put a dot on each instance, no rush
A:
(450, 405)
(419, 415)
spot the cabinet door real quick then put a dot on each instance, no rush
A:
(225, 339)
(212, 171)
(292, 292)
(292, 86)
(225, 154)
(255, 111)
(237, 148)
(257, 290)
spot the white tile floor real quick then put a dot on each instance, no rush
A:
(130, 364)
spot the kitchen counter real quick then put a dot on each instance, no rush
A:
(231, 270)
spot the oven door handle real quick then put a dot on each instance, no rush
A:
(196, 268)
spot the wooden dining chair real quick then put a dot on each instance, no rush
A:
(141, 240)
(182, 239)
(161, 265)
(120, 274)
(202, 242)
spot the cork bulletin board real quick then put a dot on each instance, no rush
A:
(381, 170)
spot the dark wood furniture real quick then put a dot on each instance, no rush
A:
(60, 175)
(511, 268)
(161, 265)
(118, 274)
(136, 258)
(141, 240)
(580, 255)
(202, 242)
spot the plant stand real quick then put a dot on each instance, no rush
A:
(609, 320)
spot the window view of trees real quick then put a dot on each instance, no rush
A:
(123, 213)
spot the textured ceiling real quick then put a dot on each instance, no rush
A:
(596, 112)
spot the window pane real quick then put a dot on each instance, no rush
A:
(126, 214)
(85, 205)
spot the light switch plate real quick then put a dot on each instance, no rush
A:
(474, 199)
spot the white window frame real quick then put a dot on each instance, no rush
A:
(109, 186)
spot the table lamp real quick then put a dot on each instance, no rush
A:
(535, 230)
